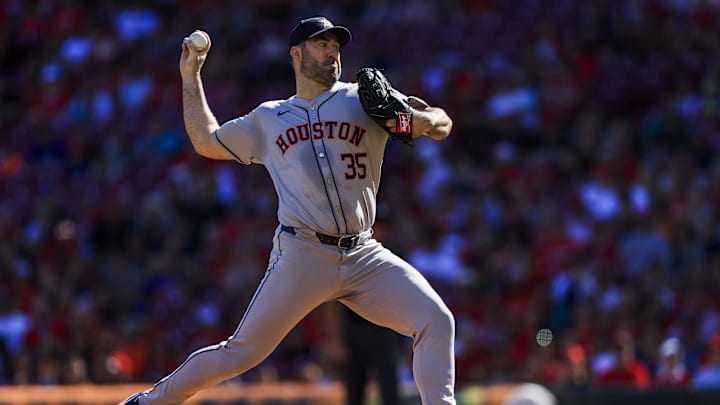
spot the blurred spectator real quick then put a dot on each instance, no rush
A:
(626, 368)
(644, 246)
(671, 370)
(14, 327)
(708, 375)
(576, 373)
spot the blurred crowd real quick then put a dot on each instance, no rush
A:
(579, 191)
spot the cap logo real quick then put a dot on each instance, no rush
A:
(325, 23)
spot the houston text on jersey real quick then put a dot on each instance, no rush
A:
(320, 130)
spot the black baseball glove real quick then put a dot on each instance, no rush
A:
(382, 102)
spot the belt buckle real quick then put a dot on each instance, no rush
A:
(352, 241)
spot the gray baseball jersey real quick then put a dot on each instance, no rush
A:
(324, 156)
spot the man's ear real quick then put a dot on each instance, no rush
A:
(295, 52)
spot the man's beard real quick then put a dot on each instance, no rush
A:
(318, 72)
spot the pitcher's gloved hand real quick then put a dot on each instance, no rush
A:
(382, 102)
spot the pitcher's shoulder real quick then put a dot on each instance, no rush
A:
(346, 88)
(271, 107)
(271, 104)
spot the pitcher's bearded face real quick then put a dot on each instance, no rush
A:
(321, 60)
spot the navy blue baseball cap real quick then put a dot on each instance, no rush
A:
(312, 27)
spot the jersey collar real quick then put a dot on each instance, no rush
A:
(319, 99)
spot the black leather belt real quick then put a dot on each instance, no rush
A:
(342, 242)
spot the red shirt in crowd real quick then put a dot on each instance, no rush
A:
(635, 374)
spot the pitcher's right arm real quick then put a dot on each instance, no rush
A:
(200, 122)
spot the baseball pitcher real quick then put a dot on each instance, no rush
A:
(323, 148)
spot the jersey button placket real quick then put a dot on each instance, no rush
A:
(321, 147)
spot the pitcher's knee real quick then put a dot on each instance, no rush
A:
(242, 357)
(441, 322)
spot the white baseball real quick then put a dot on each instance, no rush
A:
(200, 40)
(544, 337)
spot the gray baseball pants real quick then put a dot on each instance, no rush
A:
(302, 274)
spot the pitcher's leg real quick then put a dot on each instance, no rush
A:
(291, 288)
(391, 293)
